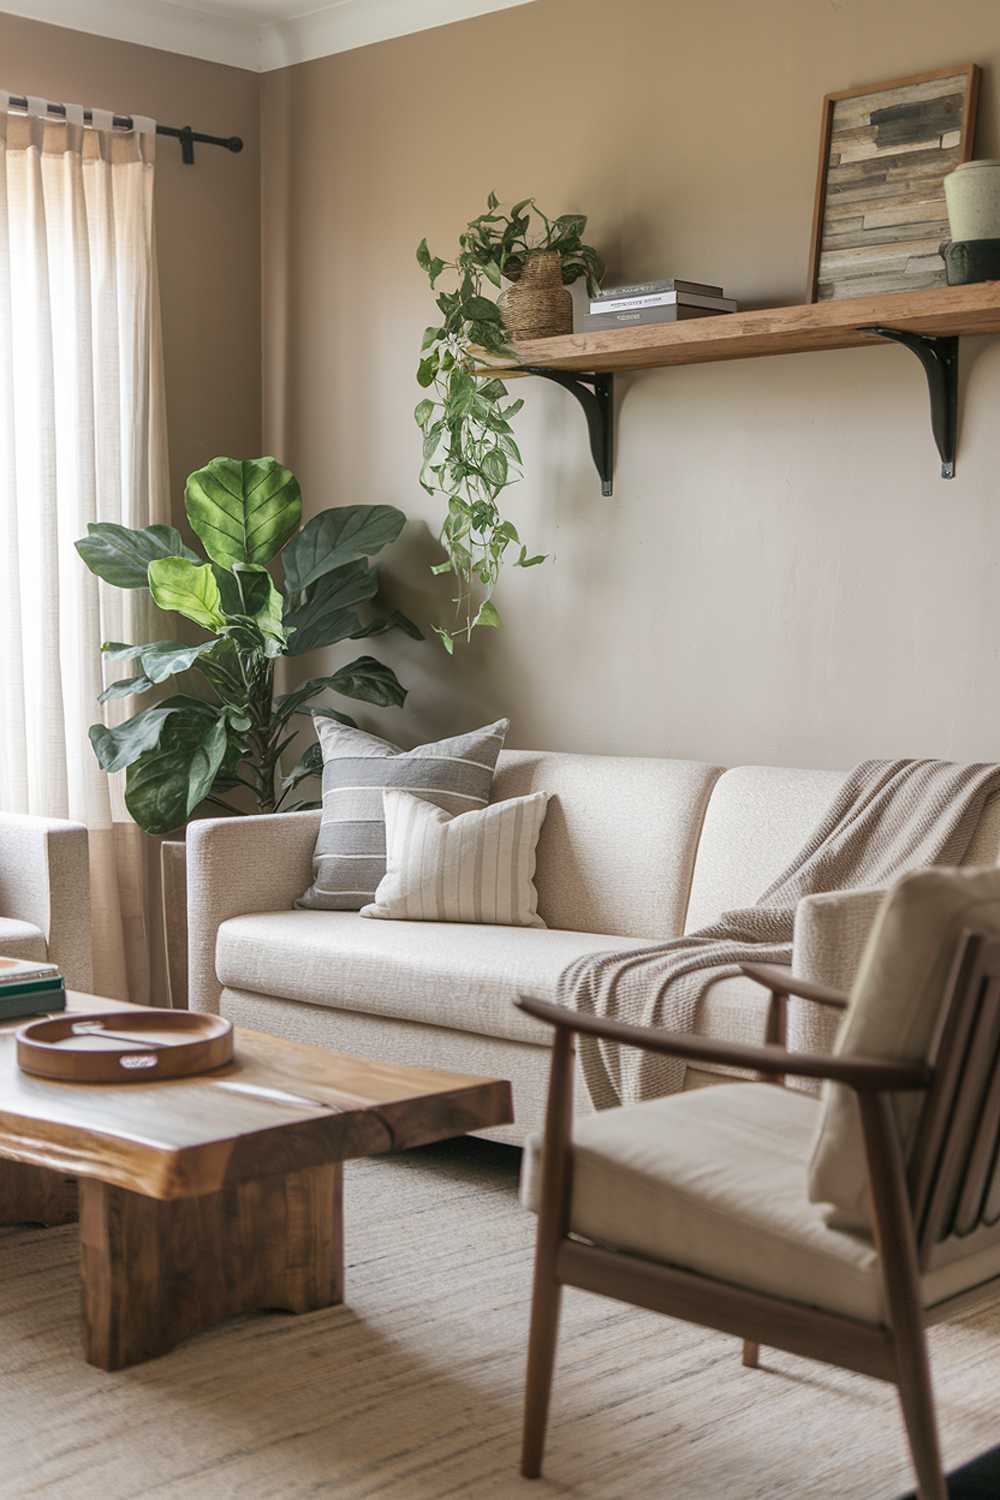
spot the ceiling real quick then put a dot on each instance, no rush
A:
(254, 34)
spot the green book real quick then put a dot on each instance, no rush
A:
(36, 1003)
(29, 986)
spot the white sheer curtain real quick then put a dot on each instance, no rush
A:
(82, 438)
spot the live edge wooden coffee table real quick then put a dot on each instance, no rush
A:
(206, 1197)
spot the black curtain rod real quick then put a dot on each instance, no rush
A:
(183, 133)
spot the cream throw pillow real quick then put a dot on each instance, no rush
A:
(895, 1011)
(478, 866)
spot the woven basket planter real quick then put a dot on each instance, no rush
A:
(538, 306)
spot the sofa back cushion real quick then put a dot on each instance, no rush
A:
(896, 1008)
(758, 817)
(617, 848)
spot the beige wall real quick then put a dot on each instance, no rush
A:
(780, 575)
(207, 220)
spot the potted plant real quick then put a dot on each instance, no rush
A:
(229, 734)
(469, 452)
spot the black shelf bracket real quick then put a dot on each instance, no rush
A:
(939, 357)
(595, 394)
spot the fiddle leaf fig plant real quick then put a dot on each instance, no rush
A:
(190, 749)
(470, 455)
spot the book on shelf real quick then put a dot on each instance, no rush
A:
(666, 299)
(650, 288)
(674, 312)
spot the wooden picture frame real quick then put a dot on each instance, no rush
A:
(905, 146)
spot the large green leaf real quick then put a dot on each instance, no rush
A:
(394, 620)
(263, 600)
(158, 659)
(291, 703)
(244, 510)
(338, 536)
(329, 713)
(369, 680)
(121, 556)
(364, 678)
(328, 615)
(311, 764)
(165, 784)
(190, 589)
(119, 747)
(163, 659)
(119, 651)
(125, 688)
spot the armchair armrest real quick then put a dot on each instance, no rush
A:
(45, 880)
(236, 866)
(864, 1074)
(781, 981)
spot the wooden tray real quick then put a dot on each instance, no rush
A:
(137, 1046)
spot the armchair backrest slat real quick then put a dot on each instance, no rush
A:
(954, 1180)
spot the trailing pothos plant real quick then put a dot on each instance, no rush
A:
(190, 748)
(469, 452)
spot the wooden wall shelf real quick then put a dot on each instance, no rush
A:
(928, 322)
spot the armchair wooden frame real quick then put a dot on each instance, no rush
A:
(941, 1204)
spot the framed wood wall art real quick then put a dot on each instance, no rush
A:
(880, 217)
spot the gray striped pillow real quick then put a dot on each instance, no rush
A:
(470, 867)
(455, 774)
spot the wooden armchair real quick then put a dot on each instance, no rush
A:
(839, 1228)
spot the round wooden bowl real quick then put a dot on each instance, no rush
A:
(137, 1046)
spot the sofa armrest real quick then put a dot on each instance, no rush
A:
(45, 880)
(831, 931)
(236, 866)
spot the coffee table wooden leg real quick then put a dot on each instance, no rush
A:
(34, 1195)
(154, 1272)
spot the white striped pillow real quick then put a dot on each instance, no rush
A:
(475, 866)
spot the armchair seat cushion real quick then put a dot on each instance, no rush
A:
(462, 975)
(21, 940)
(715, 1181)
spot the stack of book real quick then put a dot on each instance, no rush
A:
(665, 301)
(28, 988)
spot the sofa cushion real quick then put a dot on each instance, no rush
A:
(349, 862)
(895, 1011)
(714, 1181)
(618, 846)
(475, 866)
(757, 820)
(461, 975)
(21, 940)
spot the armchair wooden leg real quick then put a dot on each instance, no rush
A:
(545, 1309)
(916, 1397)
(896, 1243)
(751, 1354)
(553, 1218)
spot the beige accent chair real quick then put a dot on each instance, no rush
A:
(836, 1227)
(45, 894)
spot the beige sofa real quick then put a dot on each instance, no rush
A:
(45, 894)
(632, 850)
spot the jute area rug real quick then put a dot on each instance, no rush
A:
(413, 1389)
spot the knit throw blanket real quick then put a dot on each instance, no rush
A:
(890, 816)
